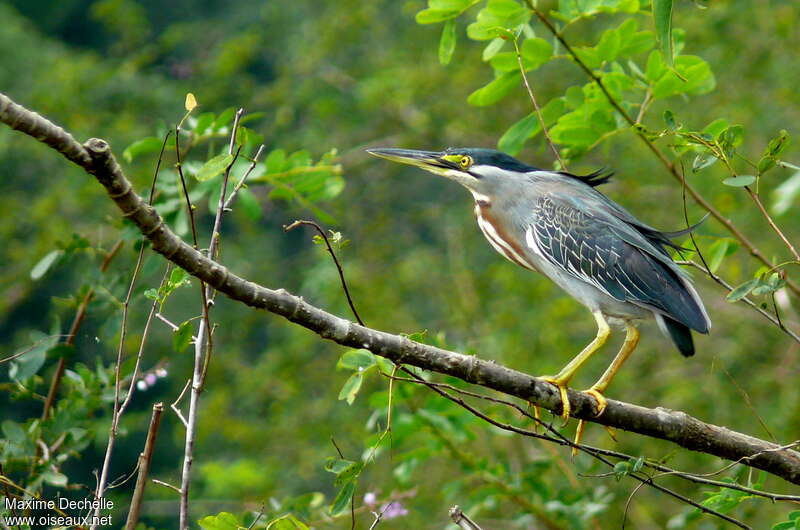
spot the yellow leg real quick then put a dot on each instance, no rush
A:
(562, 379)
(597, 389)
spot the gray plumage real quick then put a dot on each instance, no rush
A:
(590, 246)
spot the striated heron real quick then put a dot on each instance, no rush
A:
(560, 225)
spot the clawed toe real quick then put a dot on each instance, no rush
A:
(602, 403)
(562, 390)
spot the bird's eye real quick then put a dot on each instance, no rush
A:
(465, 161)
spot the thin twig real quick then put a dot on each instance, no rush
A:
(144, 467)
(757, 199)
(244, 178)
(335, 260)
(536, 108)
(174, 405)
(462, 520)
(203, 343)
(119, 408)
(166, 485)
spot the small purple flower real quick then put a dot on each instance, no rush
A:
(161, 372)
(370, 499)
(393, 509)
(150, 379)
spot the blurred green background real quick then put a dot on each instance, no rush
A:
(352, 75)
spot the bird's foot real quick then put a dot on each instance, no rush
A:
(602, 402)
(561, 385)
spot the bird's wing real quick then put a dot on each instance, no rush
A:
(594, 246)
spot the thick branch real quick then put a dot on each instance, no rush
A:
(674, 426)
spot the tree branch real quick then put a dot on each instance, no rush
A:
(674, 426)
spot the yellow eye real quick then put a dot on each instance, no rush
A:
(465, 161)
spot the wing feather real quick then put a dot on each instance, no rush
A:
(615, 258)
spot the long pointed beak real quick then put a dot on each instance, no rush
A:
(429, 160)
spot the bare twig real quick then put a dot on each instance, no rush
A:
(174, 405)
(119, 408)
(462, 520)
(144, 467)
(203, 345)
(335, 260)
(244, 178)
(537, 109)
(166, 485)
(757, 199)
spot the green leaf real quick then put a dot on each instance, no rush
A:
(351, 387)
(182, 336)
(497, 18)
(739, 181)
(286, 522)
(32, 361)
(535, 52)
(691, 75)
(662, 17)
(150, 144)
(356, 360)
(346, 471)
(221, 521)
(214, 167)
(13, 432)
(54, 478)
(528, 127)
(702, 161)
(492, 48)
(719, 250)
(44, 264)
(496, 90)
(447, 44)
(775, 147)
(342, 501)
(432, 16)
(742, 290)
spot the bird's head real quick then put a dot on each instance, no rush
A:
(482, 171)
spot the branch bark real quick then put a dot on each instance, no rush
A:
(675, 426)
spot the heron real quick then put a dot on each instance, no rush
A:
(560, 225)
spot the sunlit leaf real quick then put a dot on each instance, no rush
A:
(742, 290)
(662, 17)
(182, 336)
(190, 102)
(739, 181)
(351, 387)
(151, 144)
(44, 264)
(342, 501)
(447, 44)
(495, 90)
(221, 521)
(213, 167)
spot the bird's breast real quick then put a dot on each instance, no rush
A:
(500, 237)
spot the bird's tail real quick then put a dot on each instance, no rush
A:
(680, 334)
